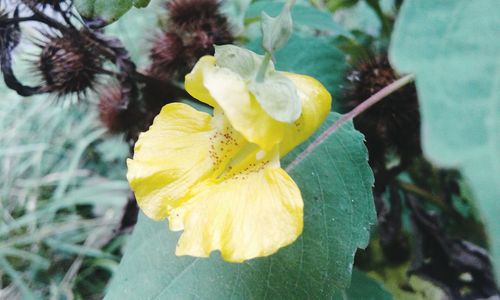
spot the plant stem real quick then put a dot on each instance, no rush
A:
(269, 52)
(289, 4)
(436, 200)
(391, 88)
(263, 67)
(385, 30)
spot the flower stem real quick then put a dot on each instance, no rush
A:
(263, 67)
(389, 89)
(270, 51)
(289, 4)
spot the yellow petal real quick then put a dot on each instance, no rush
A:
(252, 214)
(182, 147)
(194, 81)
(245, 114)
(316, 104)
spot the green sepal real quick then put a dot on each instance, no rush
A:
(276, 30)
(244, 62)
(278, 96)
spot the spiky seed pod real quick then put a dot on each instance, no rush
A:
(201, 24)
(112, 109)
(207, 33)
(167, 56)
(115, 112)
(121, 114)
(393, 125)
(194, 27)
(186, 13)
(68, 65)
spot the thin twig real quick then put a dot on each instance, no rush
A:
(436, 200)
(19, 20)
(391, 88)
(42, 17)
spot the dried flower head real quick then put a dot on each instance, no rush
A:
(195, 26)
(201, 25)
(391, 125)
(68, 65)
(112, 109)
(118, 113)
(186, 13)
(207, 33)
(167, 55)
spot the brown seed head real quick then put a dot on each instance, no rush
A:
(68, 65)
(195, 26)
(394, 123)
(185, 13)
(167, 55)
(113, 109)
(207, 33)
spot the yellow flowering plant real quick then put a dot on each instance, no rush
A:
(218, 178)
(228, 180)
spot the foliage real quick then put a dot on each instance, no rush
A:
(62, 187)
(58, 208)
(108, 10)
(304, 17)
(458, 85)
(338, 216)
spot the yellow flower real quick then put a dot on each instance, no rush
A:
(219, 178)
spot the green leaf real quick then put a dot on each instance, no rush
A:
(333, 5)
(141, 3)
(453, 48)
(335, 182)
(109, 10)
(311, 56)
(303, 17)
(364, 287)
(360, 17)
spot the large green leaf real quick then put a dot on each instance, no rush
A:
(363, 288)
(453, 47)
(335, 181)
(109, 10)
